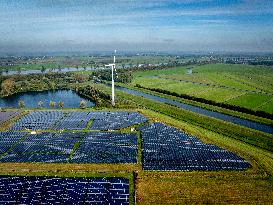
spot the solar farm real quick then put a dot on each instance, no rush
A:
(54, 120)
(166, 148)
(45, 190)
(98, 137)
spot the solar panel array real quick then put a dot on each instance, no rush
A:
(74, 121)
(8, 139)
(56, 120)
(44, 147)
(166, 148)
(95, 147)
(45, 190)
(40, 120)
(5, 116)
(107, 147)
(115, 120)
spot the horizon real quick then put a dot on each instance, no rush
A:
(236, 26)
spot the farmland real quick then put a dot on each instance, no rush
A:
(245, 86)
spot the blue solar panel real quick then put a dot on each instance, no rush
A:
(107, 148)
(45, 190)
(115, 120)
(44, 147)
(95, 147)
(74, 121)
(56, 120)
(5, 116)
(40, 120)
(166, 148)
(8, 139)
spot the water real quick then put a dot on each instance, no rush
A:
(63, 70)
(214, 114)
(70, 99)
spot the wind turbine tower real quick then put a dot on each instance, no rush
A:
(113, 66)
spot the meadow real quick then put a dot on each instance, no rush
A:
(241, 85)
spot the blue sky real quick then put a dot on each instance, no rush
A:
(136, 25)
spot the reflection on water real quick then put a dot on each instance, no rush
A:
(31, 99)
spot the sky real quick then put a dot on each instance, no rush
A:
(136, 25)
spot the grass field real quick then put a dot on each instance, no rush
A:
(246, 86)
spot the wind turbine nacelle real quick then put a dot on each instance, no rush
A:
(110, 65)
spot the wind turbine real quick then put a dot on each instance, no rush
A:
(113, 66)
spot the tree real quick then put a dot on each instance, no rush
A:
(21, 104)
(52, 104)
(59, 68)
(40, 104)
(19, 70)
(82, 104)
(43, 69)
(60, 104)
(7, 87)
(80, 78)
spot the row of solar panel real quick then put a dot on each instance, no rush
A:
(166, 148)
(44, 190)
(94, 147)
(55, 120)
(5, 116)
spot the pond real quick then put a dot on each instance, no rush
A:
(70, 99)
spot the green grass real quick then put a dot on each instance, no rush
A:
(268, 107)
(250, 100)
(243, 85)
(219, 94)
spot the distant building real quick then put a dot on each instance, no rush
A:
(189, 71)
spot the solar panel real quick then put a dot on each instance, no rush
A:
(40, 120)
(74, 121)
(5, 116)
(43, 147)
(56, 120)
(8, 139)
(46, 190)
(166, 148)
(107, 147)
(49, 147)
(115, 120)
